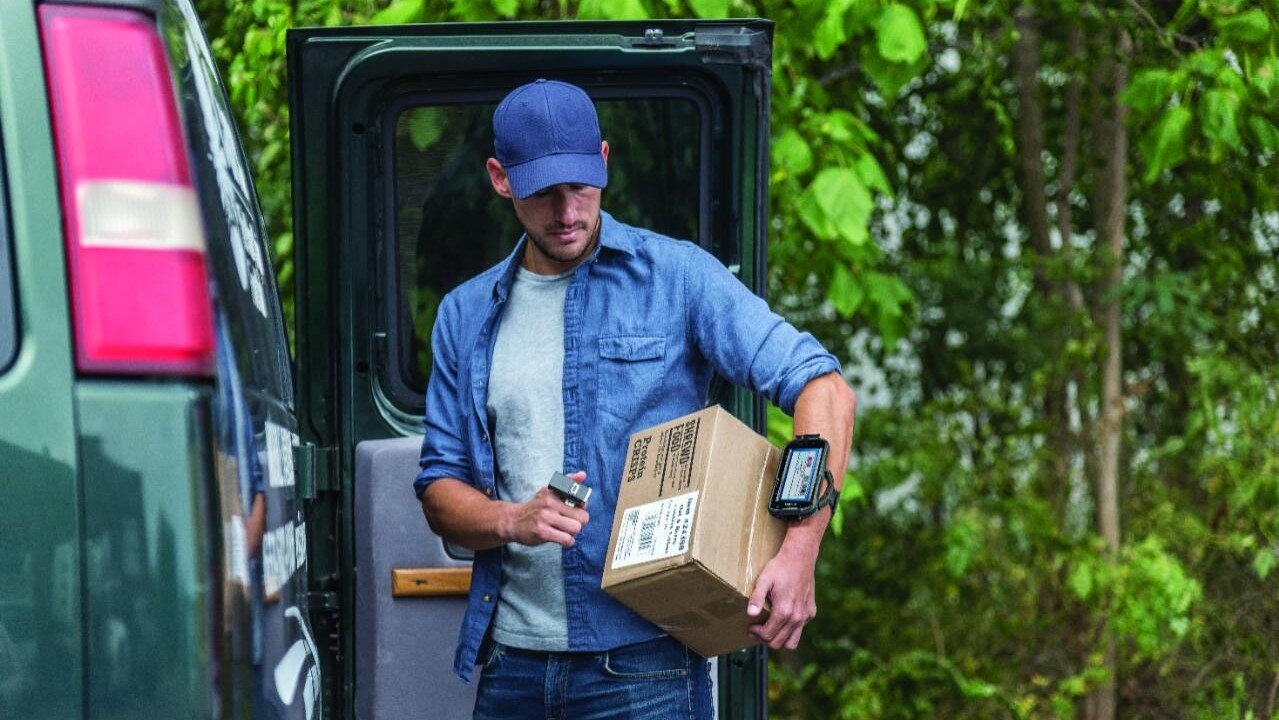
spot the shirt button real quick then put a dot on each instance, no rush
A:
(488, 491)
(485, 438)
(488, 598)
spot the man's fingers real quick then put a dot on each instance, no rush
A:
(755, 605)
(793, 642)
(565, 523)
(560, 538)
(780, 623)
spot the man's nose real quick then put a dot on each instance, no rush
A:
(563, 205)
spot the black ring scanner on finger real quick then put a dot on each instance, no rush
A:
(573, 493)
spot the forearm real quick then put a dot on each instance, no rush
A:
(826, 407)
(461, 514)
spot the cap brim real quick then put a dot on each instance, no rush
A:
(576, 168)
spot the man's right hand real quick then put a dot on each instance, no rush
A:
(545, 518)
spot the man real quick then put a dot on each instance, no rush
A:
(547, 362)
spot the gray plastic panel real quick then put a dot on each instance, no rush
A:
(403, 647)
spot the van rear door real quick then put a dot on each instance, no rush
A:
(392, 209)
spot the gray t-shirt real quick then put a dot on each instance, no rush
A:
(526, 412)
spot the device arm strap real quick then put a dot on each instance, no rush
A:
(830, 496)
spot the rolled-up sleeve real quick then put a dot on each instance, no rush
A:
(745, 341)
(444, 453)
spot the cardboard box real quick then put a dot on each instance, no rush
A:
(692, 529)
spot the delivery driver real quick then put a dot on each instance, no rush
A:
(548, 361)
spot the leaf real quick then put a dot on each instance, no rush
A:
(612, 10)
(829, 35)
(1266, 77)
(844, 292)
(832, 31)
(1217, 115)
(791, 153)
(837, 205)
(899, 35)
(506, 8)
(888, 292)
(1264, 562)
(1164, 146)
(474, 10)
(709, 8)
(1080, 580)
(1265, 133)
(400, 12)
(1149, 91)
(869, 170)
(840, 126)
(1247, 27)
(426, 127)
(891, 77)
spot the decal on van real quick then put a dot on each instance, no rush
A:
(283, 554)
(288, 671)
(280, 442)
(233, 183)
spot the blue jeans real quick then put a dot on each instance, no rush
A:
(655, 679)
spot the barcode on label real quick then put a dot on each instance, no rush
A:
(655, 530)
(647, 532)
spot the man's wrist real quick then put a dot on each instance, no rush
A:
(804, 537)
(505, 521)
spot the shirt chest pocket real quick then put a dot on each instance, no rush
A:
(631, 368)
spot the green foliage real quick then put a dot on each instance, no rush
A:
(898, 34)
(1164, 147)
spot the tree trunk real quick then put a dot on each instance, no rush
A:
(1110, 206)
(1056, 295)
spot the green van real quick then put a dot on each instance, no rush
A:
(197, 524)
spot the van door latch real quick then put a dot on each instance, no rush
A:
(655, 39)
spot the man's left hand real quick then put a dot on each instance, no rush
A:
(787, 585)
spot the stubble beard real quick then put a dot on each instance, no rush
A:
(560, 255)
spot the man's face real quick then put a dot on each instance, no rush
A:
(562, 221)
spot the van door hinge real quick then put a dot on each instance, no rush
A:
(316, 470)
(737, 46)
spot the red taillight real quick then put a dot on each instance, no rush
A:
(135, 242)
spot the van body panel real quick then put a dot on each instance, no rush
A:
(150, 544)
(40, 535)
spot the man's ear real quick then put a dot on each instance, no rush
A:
(497, 176)
(604, 151)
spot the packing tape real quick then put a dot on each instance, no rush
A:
(750, 538)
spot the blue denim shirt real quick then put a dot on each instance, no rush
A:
(647, 321)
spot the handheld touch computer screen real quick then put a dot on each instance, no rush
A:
(803, 485)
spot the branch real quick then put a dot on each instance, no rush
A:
(1164, 35)
(838, 73)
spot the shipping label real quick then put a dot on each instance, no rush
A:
(655, 530)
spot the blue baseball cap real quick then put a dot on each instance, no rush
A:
(546, 133)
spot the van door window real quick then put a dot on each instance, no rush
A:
(8, 299)
(449, 225)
